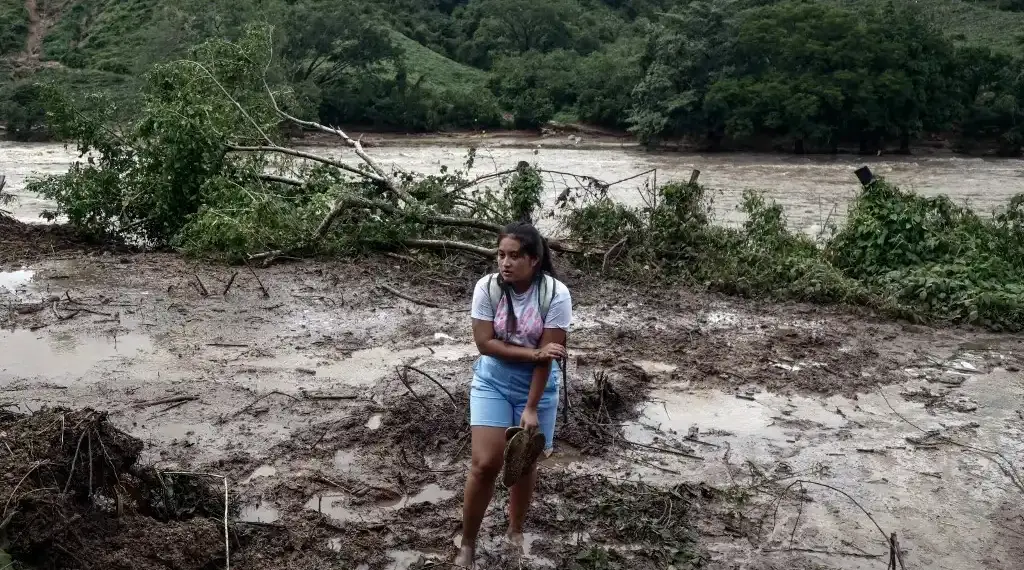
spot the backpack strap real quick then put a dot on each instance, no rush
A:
(547, 295)
(494, 292)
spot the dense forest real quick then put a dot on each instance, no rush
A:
(797, 76)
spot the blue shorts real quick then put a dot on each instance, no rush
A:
(499, 392)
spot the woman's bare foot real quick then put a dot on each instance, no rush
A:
(515, 540)
(466, 558)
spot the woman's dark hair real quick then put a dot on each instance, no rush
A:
(533, 244)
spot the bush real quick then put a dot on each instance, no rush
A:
(921, 258)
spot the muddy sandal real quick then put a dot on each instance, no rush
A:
(517, 448)
(537, 444)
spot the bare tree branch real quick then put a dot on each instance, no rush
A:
(381, 173)
(281, 179)
(446, 244)
(308, 156)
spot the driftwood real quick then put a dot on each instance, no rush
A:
(162, 401)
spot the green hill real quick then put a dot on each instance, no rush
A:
(436, 64)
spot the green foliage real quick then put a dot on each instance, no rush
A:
(910, 256)
(14, 29)
(152, 176)
(21, 109)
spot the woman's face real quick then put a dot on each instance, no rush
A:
(515, 265)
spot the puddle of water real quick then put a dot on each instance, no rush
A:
(264, 471)
(363, 367)
(336, 505)
(404, 559)
(374, 421)
(259, 513)
(653, 367)
(709, 410)
(12, 281)
(344, 459)
(430, 494)
(63, 357)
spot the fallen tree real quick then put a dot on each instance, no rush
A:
(207, 169)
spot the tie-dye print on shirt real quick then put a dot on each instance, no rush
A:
(529, 325)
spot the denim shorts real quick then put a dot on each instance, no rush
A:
(499, 391)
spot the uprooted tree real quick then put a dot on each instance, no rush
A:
(205, 168)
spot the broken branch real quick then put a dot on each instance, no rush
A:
(447, 244)
(439, 385)
(409, 298)
(162, 401)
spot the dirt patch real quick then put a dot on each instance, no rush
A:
(22, 243)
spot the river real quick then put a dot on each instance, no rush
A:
(813, 190)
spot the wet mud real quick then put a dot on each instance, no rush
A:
(699, 433)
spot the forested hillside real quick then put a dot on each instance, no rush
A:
(799, 76)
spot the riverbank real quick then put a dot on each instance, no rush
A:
(588, 137)
(287, 383)
(813, 190)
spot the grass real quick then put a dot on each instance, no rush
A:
(971, 22)
(115, 36)
(438, 69)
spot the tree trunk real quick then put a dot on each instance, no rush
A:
(798, 146)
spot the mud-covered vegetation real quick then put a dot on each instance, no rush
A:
(203, 169)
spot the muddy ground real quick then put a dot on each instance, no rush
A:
(700, 433)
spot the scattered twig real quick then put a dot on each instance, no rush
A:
(1008, 469)
(202, 288)
(403, 377)
(664, 450)
(173, 406)
(409, 298)
(825, 552)
(35, 466)
(258, 400)
(439, 385)
(331, 396)
(802, 482)
(799, 515)
(227, 345)
(264, 289)
(655, 466)
(162, 401)
(231, 282)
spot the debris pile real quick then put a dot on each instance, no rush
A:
(74, 496)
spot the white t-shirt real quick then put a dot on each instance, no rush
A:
(529, 325)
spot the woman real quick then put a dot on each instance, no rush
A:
(521, 338)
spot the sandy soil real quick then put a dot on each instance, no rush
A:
(692, 415)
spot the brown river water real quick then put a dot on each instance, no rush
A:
(813, 190)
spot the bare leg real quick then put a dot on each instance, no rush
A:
(488, 456)
(519, 502)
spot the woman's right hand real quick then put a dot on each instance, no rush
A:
(550, 351)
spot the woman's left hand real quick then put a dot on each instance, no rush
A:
(530, 421)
